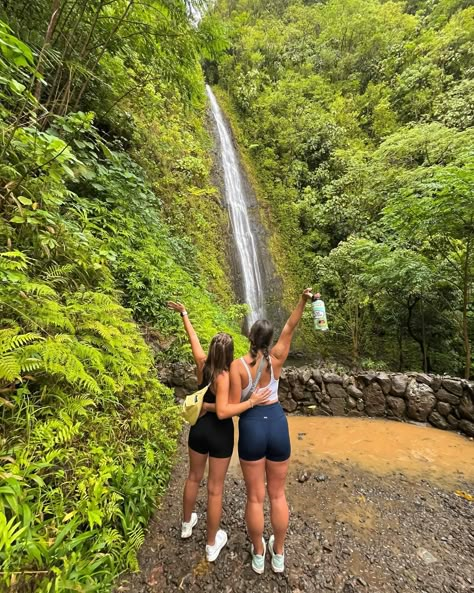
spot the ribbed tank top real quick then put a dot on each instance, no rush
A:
(273, 385)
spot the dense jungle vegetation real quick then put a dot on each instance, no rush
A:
(356, 117)
(108, 210)
(356, 123)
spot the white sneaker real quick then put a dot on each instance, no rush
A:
(258, 561)
(212, 552)
(187, 528)
(278, 560)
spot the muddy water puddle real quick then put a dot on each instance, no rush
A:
(381, 447)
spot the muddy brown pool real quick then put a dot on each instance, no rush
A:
(380, 446)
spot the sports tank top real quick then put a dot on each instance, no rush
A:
(273, 385)
(209, 396)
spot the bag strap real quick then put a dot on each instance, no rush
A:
(257, 378)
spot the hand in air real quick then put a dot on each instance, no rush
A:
(176, 306)
(307, 294)
(260, 396)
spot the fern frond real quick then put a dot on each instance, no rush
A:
(56, 274)
(39, 290)
(112, 539)
(109, 383)
(136, 537)
(29, 363)
(101, 300)
(10, 339)
(12, 360)
(91, 355)
(14, 255)
(13, 261)
(58, 359)
(107, 333)
(64, 338)
(55, 431)
(77, 406)
(10, 368)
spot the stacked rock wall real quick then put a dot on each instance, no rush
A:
(444, 402)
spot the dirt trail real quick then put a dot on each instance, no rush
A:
(373, 510)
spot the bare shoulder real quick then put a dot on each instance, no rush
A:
(236, 368)
(222, 379)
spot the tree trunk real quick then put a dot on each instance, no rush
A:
(62, 21)
(55, 95)
(423, 338)
(85, 46)
(465, 304)
(47, 39)
(355, 336)
(102, 52)
(401, 362)
(411, 308)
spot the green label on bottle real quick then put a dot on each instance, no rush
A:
(319, 315)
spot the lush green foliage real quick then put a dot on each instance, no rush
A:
(87, 432)
(358, 117)
(107, 212)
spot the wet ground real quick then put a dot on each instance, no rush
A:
(382, 447)
(376, 507)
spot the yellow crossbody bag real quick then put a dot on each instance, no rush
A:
(192, 405)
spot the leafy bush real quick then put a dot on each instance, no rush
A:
(87, 250)
(87, 434)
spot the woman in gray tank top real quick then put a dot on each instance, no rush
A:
(264, 443)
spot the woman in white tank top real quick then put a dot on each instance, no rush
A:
(264, 443)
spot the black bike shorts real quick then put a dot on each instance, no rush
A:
(211, 436)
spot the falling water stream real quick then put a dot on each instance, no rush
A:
(237, 202)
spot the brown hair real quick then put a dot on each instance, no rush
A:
(220, 355)
(260, 336)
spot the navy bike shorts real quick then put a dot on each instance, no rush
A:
(263, 432)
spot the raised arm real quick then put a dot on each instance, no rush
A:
(198, 353)
(226, 410)
(282, 347)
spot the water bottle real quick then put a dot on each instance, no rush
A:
(319, 313)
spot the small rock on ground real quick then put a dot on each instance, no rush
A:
(350, 532)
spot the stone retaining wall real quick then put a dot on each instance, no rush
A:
(444, 402)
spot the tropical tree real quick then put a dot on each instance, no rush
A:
(437, 217)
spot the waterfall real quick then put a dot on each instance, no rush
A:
(246, 245)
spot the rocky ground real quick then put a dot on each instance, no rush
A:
(350, 532)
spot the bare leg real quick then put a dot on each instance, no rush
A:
(197, 465)
(254, 475)
(279, 514)
(215, 490)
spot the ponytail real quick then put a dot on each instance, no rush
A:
(260, 336)
(266, 354)
(253, 353)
